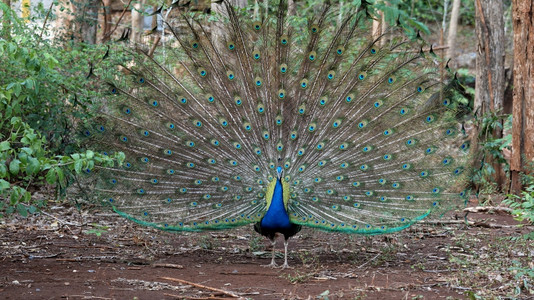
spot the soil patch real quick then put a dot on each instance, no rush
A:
(79, 255)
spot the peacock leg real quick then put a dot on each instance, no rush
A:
(273, 263)
(286, 242)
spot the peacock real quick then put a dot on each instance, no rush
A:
(281, 122)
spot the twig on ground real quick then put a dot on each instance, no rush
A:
(85, 297)
(231, 294)
(477, 209)
(469, 223)
(173, 266)
(361, 266)
(44, 256)
(60, 221)
(193, 298)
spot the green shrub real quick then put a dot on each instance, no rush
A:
(523, 205)
(41, 98)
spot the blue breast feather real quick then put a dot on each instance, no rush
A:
(276, 217)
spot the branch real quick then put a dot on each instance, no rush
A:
(44, 23)
(201, 286)
(107, 35)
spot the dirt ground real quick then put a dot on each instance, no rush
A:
(68, 254)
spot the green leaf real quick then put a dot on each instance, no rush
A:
(27, 150)
(4, 146)
(23, 157)
(17, 88)
(15, 195)
(51, 176)
(78, 166)
(3, 170)
(27, 197)
(121, 157)
(15, 121)
(9, 210)
(33, 166)
(29, 83)
(4, 185)
(14, 166)
(61, 176)
(89, 154)
(21, 209)
(32, 209)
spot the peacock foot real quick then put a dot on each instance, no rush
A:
(286, 266)
(272, 265)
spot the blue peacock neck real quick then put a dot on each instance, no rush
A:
(276, 217)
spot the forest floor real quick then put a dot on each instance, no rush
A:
(70, 254)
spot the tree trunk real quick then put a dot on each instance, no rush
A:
(77, 20)
(489, 92)
(65, 20)
(239, 3)
(217, 27)
(523, 107)
(453, 28)
(137, 22)
(89, 21)
(107, 21)
(379, 27)
(154, 17)
(489, 89)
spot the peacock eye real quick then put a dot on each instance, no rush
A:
(256, 25)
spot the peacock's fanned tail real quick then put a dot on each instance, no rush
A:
(364, 128)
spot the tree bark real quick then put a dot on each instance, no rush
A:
(489, 89)
(77, 20)
(65, 20)
(106, 29)
(154, 17)
(453, 28)
(239, 3)
(523, 107)
(217, 27)
(137, 22)
(379, 27)
(89, 21)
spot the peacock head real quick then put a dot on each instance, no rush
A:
(279, 172)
